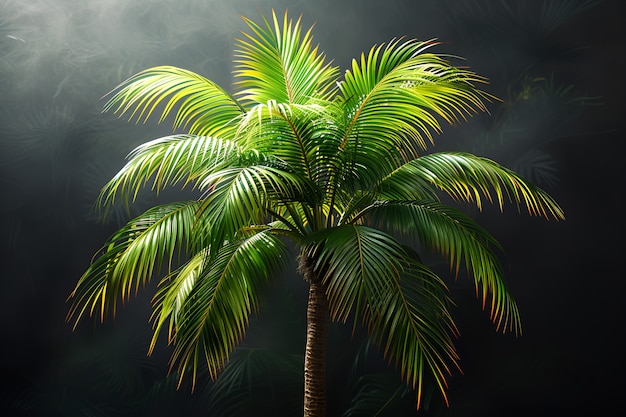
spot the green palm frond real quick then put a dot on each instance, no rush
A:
(380, 392)
(210, 314)
(466, 177)
(403, 304)
(414, 328)
(280, 63)
(538, 166)
(288, 131)
(132, 256)
(205, 109)
(160, 392)
(462, 241)
(243, 196)
(396, 92)
(173, 291)
(350, 257)
(168, 161)
(352, 205)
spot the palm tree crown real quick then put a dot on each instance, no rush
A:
(337, 165)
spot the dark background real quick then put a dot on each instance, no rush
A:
(558, 67)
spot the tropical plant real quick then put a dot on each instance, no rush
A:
(338, 167)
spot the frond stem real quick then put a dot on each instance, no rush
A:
(294, 228)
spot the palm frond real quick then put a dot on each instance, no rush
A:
(538, 166)
(279, 62)
(215, 310)
(167, 161)
(160, 392)
(204, 108)
(462, 241)
(395, 94)
(379, 395)
(242, 196)
(466, 177)
(414, 328)
(132, 256)
(173, 291)
(403, 304)
(349, 257)
(288, 131)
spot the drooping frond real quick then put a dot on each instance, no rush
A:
(357, 264)
(211, 303)
(413, 327)
(168, 161)
(403, 304)
(132, 256)
(466, 177)
(279, 62)
(462, 241)
(202, 107)
(173, 291)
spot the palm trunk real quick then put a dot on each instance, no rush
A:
(315, 353)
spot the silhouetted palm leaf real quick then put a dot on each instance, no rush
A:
(259, 382)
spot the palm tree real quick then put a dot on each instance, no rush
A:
(336, 166)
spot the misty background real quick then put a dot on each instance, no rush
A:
(558, 68)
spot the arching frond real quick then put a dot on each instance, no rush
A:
(168, 161)
(462, 241)
(466, 177)
(239, 197)
(204, 108)
(211, 312)
(394, 96)
(403, 304)
(279, 62)
(132, 256)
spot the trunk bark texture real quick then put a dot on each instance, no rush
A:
(315, 354)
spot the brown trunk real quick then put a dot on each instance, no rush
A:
(315, 354)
